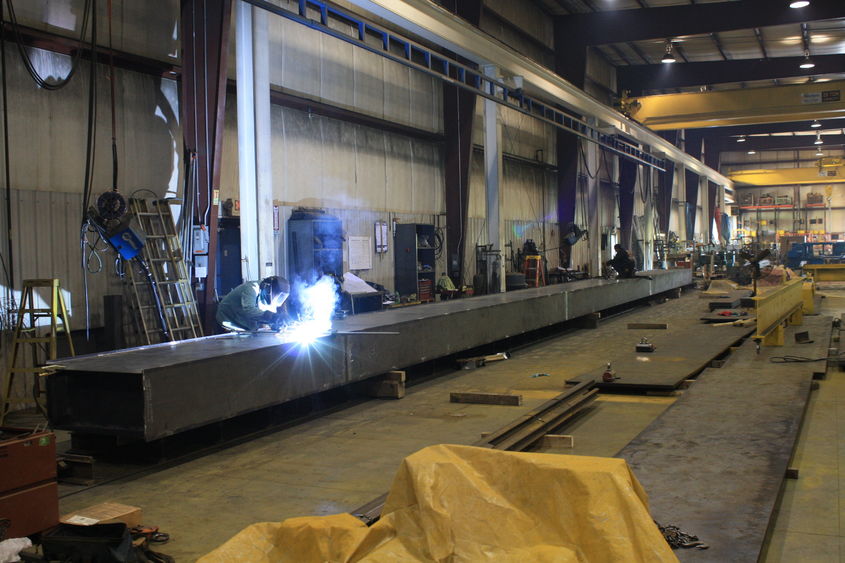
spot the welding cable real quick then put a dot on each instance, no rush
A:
(90, 152)
(27, 61)
(113, 120)
(10, 271)
(583, 156)
(799, 359)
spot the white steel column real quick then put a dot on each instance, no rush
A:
(649, 176)
(703, 196)
(594, 225)
(493, 180)
(681, 192)
(263, 143)
(246, 141)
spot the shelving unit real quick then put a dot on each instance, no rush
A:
(315, 244)
(414, 258)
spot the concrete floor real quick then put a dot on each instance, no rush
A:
(809, 526)
(342, 460)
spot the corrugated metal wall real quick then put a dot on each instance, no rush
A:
(356, 172)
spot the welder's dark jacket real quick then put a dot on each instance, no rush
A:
(240, 307)
(623, 264)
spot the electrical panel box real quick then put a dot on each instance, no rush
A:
(200, 244)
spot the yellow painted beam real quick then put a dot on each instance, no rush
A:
(776, 104)
(776, 307)
(809, 295)
(789, 176)
(826, 272)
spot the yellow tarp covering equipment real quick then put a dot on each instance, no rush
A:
(461, 504)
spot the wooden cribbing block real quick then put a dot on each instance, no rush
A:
(558, 441)
(648, 326)
(397, 375)
(391, 385)
(486, 398)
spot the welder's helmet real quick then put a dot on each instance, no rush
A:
(273, 291)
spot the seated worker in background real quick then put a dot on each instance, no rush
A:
(254, 304)
(445, 287)
(622, 262)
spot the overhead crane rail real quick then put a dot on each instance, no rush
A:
(423, 59)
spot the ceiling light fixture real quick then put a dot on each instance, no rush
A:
(807, 62)
(816, 124)
(818, 139)
(799, 3)
(819, 153)
(752, 151)
(668, 57)
(741, 139)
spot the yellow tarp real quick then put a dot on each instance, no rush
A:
(460, 503)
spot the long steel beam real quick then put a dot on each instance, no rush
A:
(155, 391)
(432, 23)
(637, 78)
(348, 27)
(789, 176)
(742, 107)
(620, 26)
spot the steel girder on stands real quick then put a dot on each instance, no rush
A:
(205, 48)
(142, 393)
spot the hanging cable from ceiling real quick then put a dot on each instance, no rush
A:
(9, 303)
(27, 61)
(87, 249)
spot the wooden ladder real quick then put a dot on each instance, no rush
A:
(162, 253)
(54, 310)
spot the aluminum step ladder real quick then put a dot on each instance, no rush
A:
(166, 274)
(38, 339)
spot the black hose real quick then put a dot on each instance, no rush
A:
(10, 271)
(27, 62)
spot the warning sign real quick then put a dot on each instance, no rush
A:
(821, 97)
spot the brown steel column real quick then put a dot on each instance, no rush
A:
(571, 64)
(205, 48)
(692, 146)
(711, 159)
(458, 114)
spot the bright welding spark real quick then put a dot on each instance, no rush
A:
(317, 304)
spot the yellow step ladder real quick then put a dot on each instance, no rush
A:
(54, 310)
